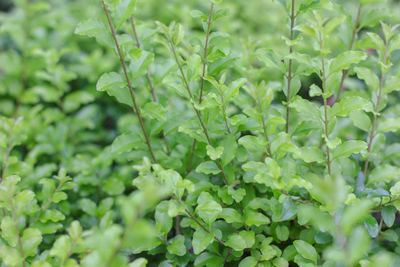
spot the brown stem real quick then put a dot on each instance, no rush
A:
(260, 109)
(353, 38)
(321, 43)
(296, 199)
(198, 222)
(150, 83)
(224, 111)
(198, 113)
(372, 133)
(128, 81)
(21, 248)
(289, 77)
(202, 80)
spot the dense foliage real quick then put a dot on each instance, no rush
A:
(199, 133)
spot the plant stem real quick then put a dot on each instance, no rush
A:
(198, 113)
(372, 133)
(197, 221)
(202, 80)
(345, 73)
(289, 77)
(150, 83)
(21, 248)
(128, 81)
(224, 111)
(321, 43)
(264, 125)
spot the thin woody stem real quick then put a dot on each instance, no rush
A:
(198, 222)
(345, 73)
(202, 80)
(128, 81)
(326, 122)
(198, 113)
(289, 77)
(148, 78)
(372, 133)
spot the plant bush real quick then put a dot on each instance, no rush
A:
(200, 133)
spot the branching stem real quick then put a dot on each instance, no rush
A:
(148, 78)
(378, 101)
(289, 77)
(128, 81)
(326, 122)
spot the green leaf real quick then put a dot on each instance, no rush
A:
(123, 11)
(389, 215)
(306, 250)
(372, 226)
(31, 239)
(360, 120)
(384, 173)
(140, 262)
(255, 218)
(370, 78)
(230, 146)
(348, 148)
(345, 60)
(348, 104)
(208, 167)
(358, 244)
(61, 247)
(230, 215)
(201, 240)
(333, 24)
(97, 29)
(282, 232)
(388, 125)
(177, 245)
(311, 154)
(315, 90)
(208, 209)
(8, 231)
(241, 241)
(114, 85)
(138, 67)
(88, 206)
(154, 110)
(308, 109)
(163, 220)
(126, 142)
(214, 153)
(249, 261)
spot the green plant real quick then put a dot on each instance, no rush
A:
(214, 149)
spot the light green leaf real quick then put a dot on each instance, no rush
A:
(177, 245)
(208, 209)
(388, 125)
(126, 142)
(345, 60)
(370, 78)
(214, 153)
(348, 148)
(31, 239)
(360, 120)
(123, 11)
(306, 250)
(333, 24)
(389, 215)
(154, 110)
(255, 218)
(201, 240)
(229, 146)
(384, 173)
(208, 167)
(114, 85)
(311, 154)
(241, 241)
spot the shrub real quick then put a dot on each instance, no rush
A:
(257, 133)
